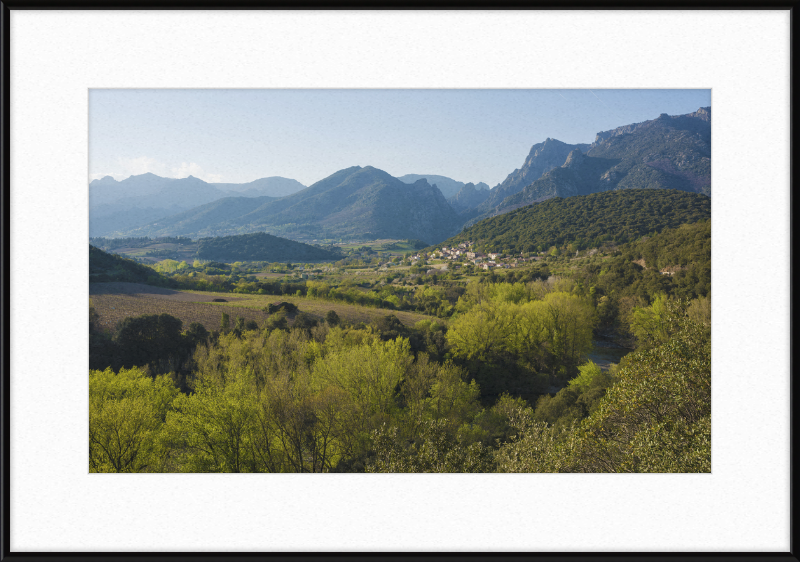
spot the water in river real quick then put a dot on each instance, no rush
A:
(605, 352)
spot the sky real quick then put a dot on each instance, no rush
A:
(237, 136)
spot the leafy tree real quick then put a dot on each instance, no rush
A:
(648, 324)
(126, 418)
(305, 321)
(150, 338)
(534, 447)
(277, 321)
(433, 450)
(588, 372)
(654, 418)
(196, 333)
(213, 427)
(331, 318)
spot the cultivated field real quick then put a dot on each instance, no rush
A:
(117, 301)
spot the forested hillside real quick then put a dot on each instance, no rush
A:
(259, 246)
(586, 221)
(105, 267)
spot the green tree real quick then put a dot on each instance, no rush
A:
(305, 321)
(126, 418)
(331, 318)
(150, 339)
(213, 428)
(434, 449)
(588, 372)
(656, 417)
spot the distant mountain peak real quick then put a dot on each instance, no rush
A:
(105, 180)
(543, 157)
(360, 203)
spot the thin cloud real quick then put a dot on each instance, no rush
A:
(144, 164)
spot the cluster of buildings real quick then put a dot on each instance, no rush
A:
(483, 260)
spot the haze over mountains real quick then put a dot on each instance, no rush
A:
(669, 152)
(362, 203)
(117, 206)
(448, 186)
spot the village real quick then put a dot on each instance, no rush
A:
(464, 252)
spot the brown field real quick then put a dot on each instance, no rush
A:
(182, 252)
(116, 301)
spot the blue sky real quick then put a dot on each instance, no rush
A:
(238, 136)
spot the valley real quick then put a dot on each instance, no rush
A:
(372, 323)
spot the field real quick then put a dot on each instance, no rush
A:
(393, 247)
(114, 302)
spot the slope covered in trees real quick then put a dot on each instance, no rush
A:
(105, 267)
(586, 221)
(259, 246)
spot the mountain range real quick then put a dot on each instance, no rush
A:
(669, 152)
(354, 203)
(448, 186)
(117, 206)
(469, 197)
(543, 157)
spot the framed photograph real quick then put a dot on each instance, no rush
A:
(334, 123)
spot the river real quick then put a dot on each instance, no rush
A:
(605, 352)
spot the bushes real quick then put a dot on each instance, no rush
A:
(654, 418)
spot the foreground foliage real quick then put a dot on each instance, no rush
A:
(329, 398)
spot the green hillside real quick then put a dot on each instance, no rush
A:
(105, 267)
(587, 220)
(260, 246)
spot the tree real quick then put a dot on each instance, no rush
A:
(225, 323)
(150, 338)
(213, 428)
(277, 321)
(126, 417)
(656, 417)
(648, 323)
(331, 318)
(305, 321)
(588, 372)
(434, 449)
